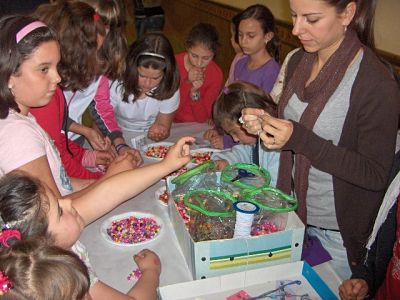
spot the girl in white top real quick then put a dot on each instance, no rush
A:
(148, 95)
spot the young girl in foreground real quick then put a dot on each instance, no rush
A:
(34, 270)
(201, 77)
(28, 206)
(148, 96)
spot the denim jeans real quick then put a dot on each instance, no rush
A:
(333, 243)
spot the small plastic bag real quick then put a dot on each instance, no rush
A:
(202, 176)
(274, 205)
(211, 213)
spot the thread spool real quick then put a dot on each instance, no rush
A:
(245, 212)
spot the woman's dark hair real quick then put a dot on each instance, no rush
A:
(154, 51)
(42, 271)
(203, 33)
(267, 21)
(13, 54)
(237, 96)
(77, 28)
(23, 206)
(363, 21)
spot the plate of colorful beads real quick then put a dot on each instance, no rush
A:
(131, 229)
(156, 151)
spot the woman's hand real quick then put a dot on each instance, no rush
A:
(158, 132)
(251, 120)
(120, 164)
(275, 132)
(178, 155)
(353, 289)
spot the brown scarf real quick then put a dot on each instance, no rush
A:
(316, 94)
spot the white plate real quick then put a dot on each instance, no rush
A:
(107, 223)
(144, 149)
(158, 193)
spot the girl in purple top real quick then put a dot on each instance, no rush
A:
(258, 39)
(255, 32)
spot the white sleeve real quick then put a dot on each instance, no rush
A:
(238, 154)
(170, 105)
(115, 93)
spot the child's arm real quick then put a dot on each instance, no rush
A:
(96, 140)
(160, 130)
(144, 289)
(150, 265)
(112, 191)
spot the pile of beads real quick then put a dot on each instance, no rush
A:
(135, 274)
(157, 151)
(263, 228)
(182, 211)
(133, 230)
(199, 157)
(164, 197)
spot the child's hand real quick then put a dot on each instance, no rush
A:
(178, 155)
(134, 153)
(197, 84)
(210, 133)
(220, 164)
(353, 289)
(158, 132)
(195, 74)
(96, 140)
(122, 163)
(148, 261)
(217, 142)
(103, 158)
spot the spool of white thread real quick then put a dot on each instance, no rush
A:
(245, 212)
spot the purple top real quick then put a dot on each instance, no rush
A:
(263, 77)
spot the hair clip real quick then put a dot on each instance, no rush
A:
(5, 284)
(96, 17)
(7, 234)
(152, 54)
(225, 90)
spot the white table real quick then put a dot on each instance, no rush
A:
(113, 264)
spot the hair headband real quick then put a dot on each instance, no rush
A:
(152, 54)
(28, 29)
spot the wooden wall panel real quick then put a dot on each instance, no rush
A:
(181, 15)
